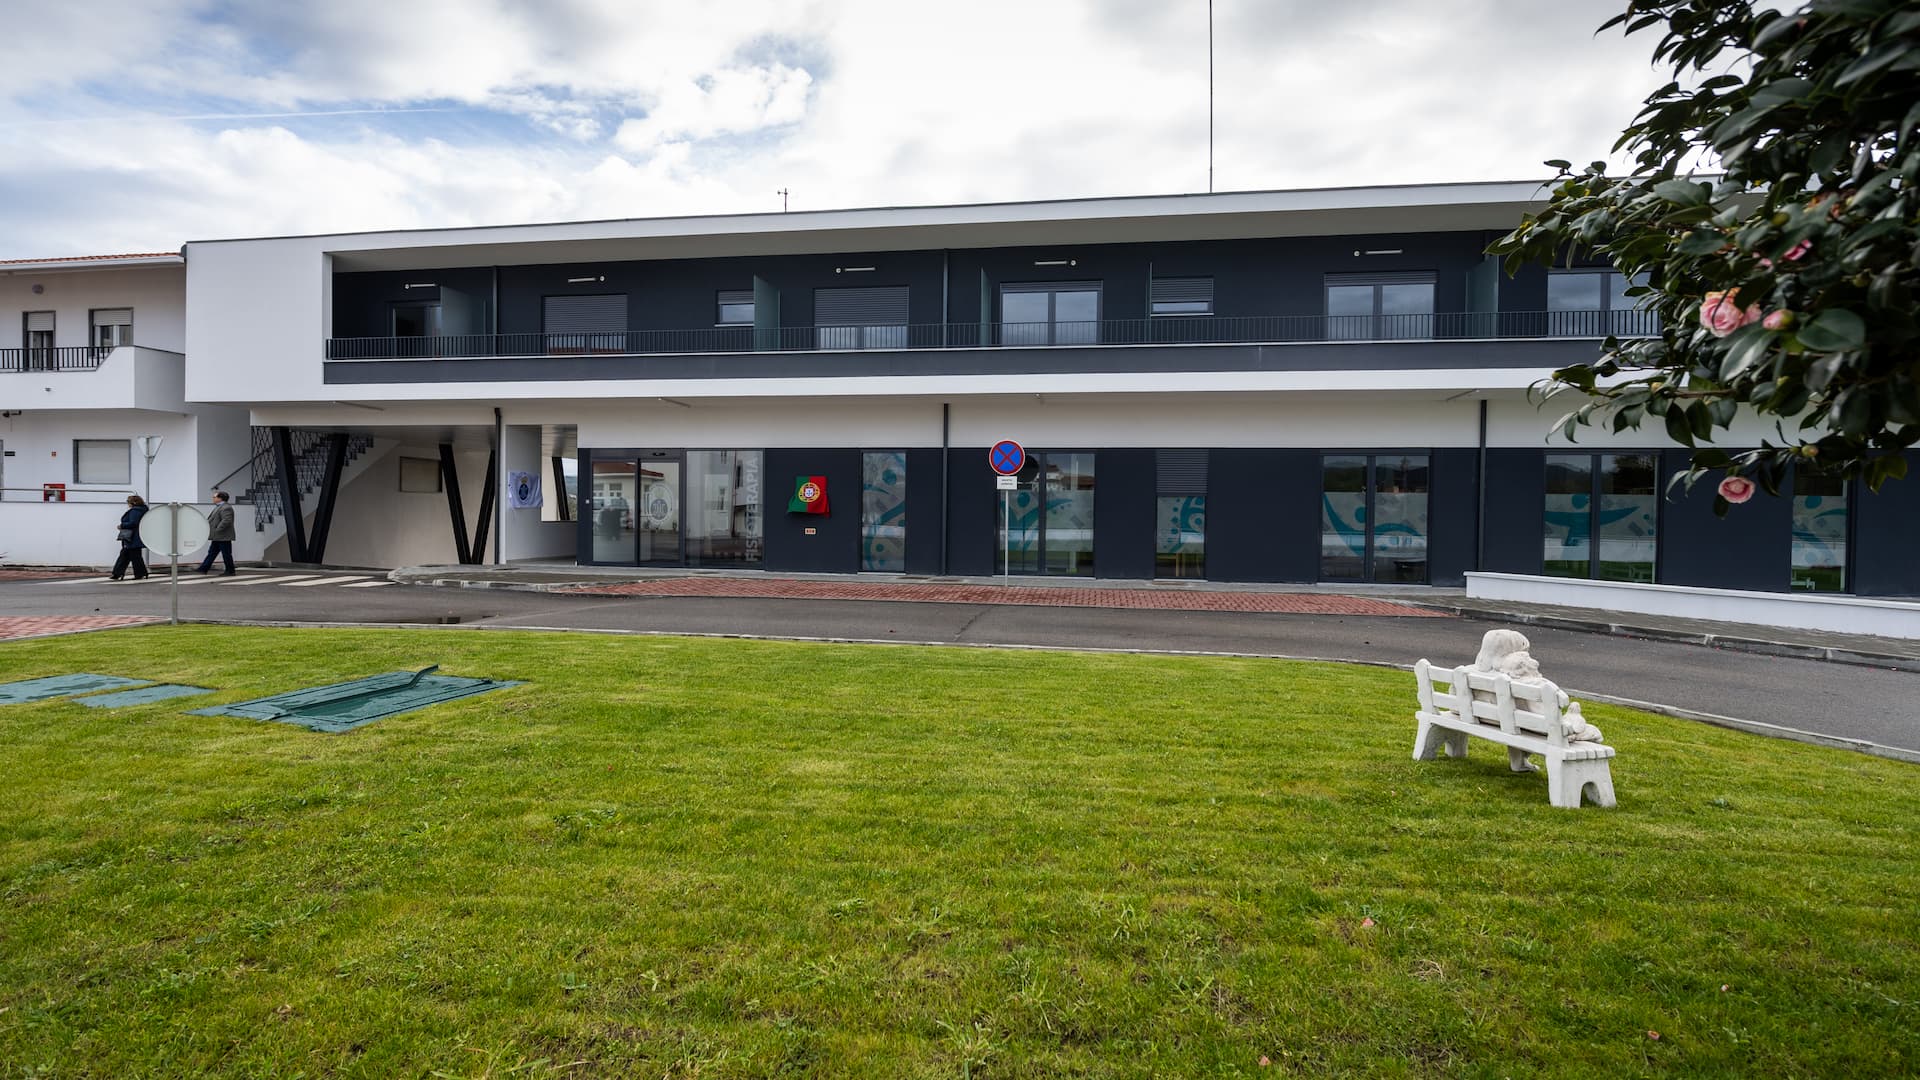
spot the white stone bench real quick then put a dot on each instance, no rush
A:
(1524, 717)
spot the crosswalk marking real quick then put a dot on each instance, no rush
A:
(267, 580)
(325, 581)
(366, 584)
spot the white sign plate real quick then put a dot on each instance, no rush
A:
(1006, 483)
(168, 533)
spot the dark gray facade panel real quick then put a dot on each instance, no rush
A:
(1515, 539)
(973, 528)
(834, 546)
(1123, 513)
(926, 518)
(1059, 360)
(1263, 515)
(1750, 548)
(1451, 515)
(1886, 530)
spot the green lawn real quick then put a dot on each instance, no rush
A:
(667, 857)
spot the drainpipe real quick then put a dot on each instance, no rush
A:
(946, 504)
(499, 482)
(1480, 499)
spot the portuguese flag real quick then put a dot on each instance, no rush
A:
(809, 495)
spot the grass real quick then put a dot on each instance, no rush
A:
(669, 857)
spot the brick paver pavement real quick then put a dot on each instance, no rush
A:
(42, 625)
(1146, 599)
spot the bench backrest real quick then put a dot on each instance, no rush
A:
(1530, 707)
(1493, 699)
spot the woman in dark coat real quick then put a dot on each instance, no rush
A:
(130, 545)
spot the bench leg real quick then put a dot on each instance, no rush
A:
(1427, 740)
(1456, 744)
(1517, 760)
(1567, 781)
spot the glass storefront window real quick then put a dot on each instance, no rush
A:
(1373, 517)
(1180, 539)
(1343, 518)
(1629, 513)
(1602, 516)
(1569, 516)
(883, 512)
(613, 490)
(723, 514)
(1049, 526)
(1819, 532)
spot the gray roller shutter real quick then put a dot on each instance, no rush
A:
(113, 317)
(1194, 294)
(1182, 472)
(40, 320)
(1050, 286)
(586, 314)
(884, 305)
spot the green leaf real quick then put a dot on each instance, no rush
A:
(1683, 192)
(1701, 242)
(1677, 427)
(1833, 330)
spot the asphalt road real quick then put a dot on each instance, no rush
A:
(1875, 705)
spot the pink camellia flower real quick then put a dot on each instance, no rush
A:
(1778, 320)
(1798, 251)
(1720, 312)
(1736, 489)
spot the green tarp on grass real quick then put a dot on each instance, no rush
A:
(145, 695)
(53, 686)
(348, 705)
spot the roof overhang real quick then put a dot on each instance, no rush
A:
(103, 262)
(1154, 218)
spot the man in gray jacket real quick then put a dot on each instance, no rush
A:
(219, 533)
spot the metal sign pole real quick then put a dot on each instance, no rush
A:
(173, 550)
(1006, 535)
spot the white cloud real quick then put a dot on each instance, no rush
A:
(610, 108)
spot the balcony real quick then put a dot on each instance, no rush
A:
(64, 358)
(1163, 330)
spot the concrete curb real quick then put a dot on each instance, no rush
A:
(1793, 649)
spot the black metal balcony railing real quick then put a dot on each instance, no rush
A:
(1200, 330)
(64, 358)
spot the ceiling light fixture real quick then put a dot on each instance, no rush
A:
(420, 285)
(1056, 262)
(1382, 251)
(853, 269)
(584, 280)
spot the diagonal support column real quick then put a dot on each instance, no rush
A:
(290, 494)
(560, 489)
(486, 507)
(329, 495)
(450, 480)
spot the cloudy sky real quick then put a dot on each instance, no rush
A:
(137, 125)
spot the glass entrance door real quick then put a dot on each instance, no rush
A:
(657, 512)
(1049, 524)
(1373, 518)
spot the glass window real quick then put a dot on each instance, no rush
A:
(419, 475)
(112, 327)
(1569, 515)
(1629, 508)
(1388, 306)
(723, 511)
(1180, 538)
(614, 491)
(1049, 520)
(883, 512)
(1343, 518)
(735, 308)
(1602, 516)
(1373, 517)
(1181, 296)
(1819, 532)
(1594, 303)
(1063, 314)
(102, 461)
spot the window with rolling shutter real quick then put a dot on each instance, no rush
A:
(1182, 296)
(1180, 510)
(864, 318)
(112, 327)
(734, 307)
(580, 324)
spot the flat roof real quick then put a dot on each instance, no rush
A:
(1395, 208)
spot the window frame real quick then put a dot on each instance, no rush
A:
(94, 326)
(1595, 479)
(126, 448)
(1376, 320)
(1052, 290)
(439, 476)
(1369, 492)
(1188, 281)
(721, 303)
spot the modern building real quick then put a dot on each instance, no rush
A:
(94, 383)
(1313, 386)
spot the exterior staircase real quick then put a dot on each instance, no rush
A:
(310, 467)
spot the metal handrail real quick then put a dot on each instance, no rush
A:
(1157, 330)
(51, 358)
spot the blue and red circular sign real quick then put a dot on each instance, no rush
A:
(1007, 457)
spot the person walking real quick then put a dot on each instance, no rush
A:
(130, 545)
(219, 534)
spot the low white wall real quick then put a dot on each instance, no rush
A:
(82, 533)
(1804, 611)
